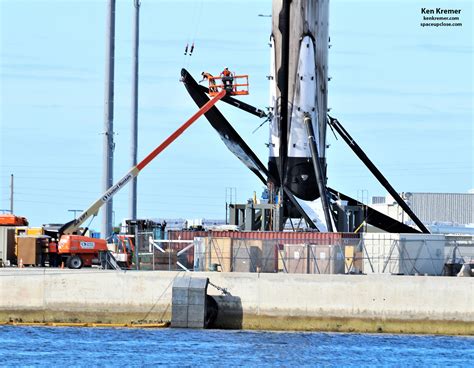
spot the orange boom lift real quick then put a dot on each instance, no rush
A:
(12, 220)
(239, 86)
(77, 250)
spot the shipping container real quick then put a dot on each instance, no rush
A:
(247, 255)
(7, 246)
(312, 259)
(326, 258)
(32, 250)
(219, 253)
(34, 231)
(259, 251)
(293, 259)
(234, 255)
(288, 237)
(212, 254)
(406, 254)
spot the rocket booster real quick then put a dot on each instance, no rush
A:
(298, 86)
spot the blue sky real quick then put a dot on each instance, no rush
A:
(404, 92)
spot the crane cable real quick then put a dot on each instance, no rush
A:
(189, 48)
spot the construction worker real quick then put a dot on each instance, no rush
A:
(210, 78)
(227, 79)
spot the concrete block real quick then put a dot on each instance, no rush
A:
(196, 313)
(198, 284)
(195, 325)
(189, 302)
(182, 282)
(180, 296)
(181, 290)
(179, 302)
(196, 297)
(197, 319)
(179, 315)
(179, 324)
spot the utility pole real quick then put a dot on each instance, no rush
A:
(109, 117)
(11, 194)
(134, 135)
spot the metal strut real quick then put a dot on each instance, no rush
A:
(374, 217)
(319, 171)
(303, 214)
(239, 104)
(373, 169)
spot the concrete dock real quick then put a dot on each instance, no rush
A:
(355, 303)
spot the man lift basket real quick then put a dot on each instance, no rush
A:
(235, 85)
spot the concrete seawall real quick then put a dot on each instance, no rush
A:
(366, 303)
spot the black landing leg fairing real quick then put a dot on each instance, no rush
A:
(234, 142)
(229, 136)
(334, 123)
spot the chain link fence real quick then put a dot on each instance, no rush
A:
(401, 254)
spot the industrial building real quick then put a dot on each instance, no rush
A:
(446, 210)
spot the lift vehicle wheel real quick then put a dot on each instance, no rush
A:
(74, 262)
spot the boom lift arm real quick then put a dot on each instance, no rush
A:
(73, 226)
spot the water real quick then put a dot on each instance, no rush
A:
(43, 346)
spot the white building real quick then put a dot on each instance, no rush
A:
(442, 212)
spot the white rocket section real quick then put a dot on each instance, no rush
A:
(304, 101)
(310, 18)
(274, 144)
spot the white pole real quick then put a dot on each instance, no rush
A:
(109, 117)
(134, 135)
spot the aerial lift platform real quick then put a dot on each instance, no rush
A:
(236, 85)
(78, 250)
